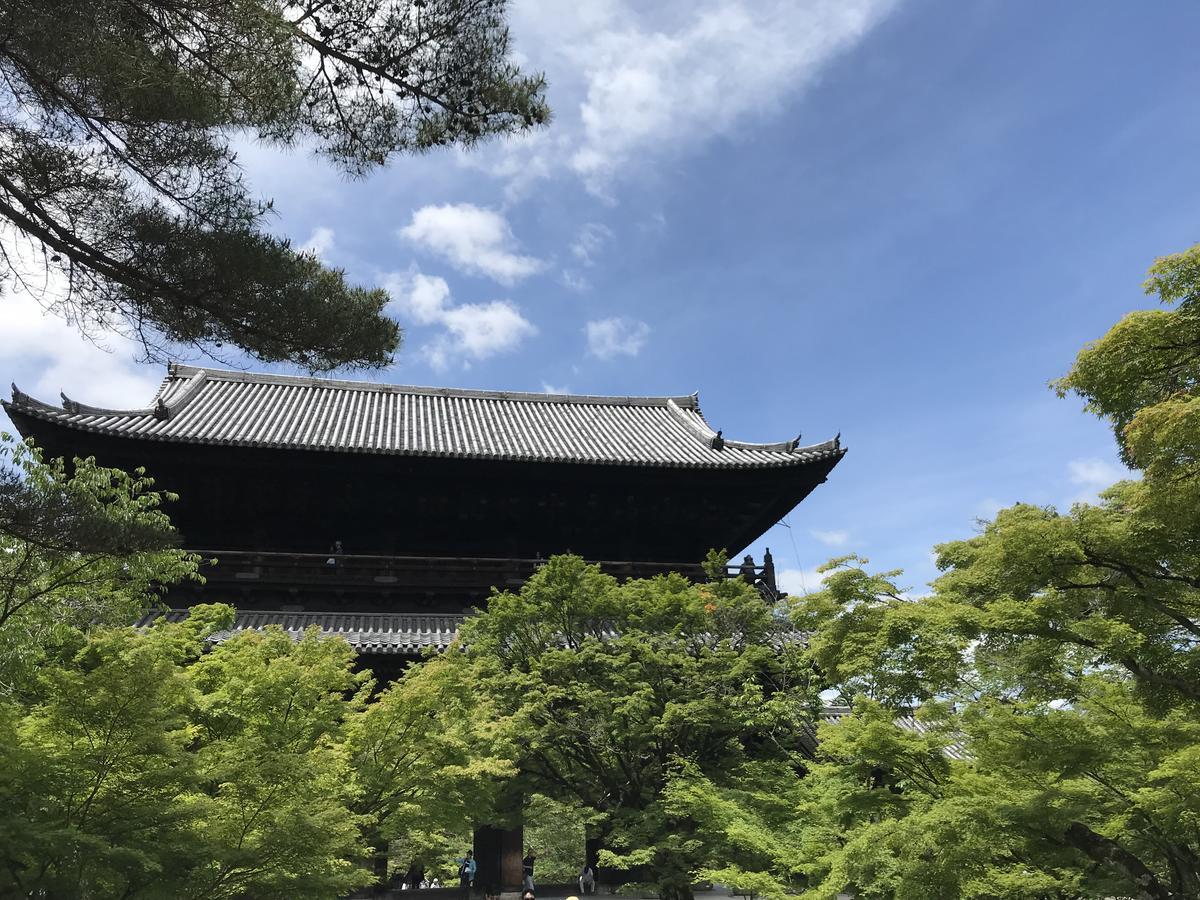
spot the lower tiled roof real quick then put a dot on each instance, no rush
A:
(410, 634)
(404, 634)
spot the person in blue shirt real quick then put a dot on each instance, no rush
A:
(466, 873)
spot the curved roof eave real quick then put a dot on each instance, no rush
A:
(216, 407)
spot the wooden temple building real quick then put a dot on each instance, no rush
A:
(384, 514)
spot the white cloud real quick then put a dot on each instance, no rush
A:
(656, 224)
(548, 388)
(44, 354)
(800, 581)
(424, 297)
(1091, 475)
(573, 281)
(832, 538)
(1094, 473)
(616, 337)
(632, 82)
(485, 329)
(474, 240)
(471, 331)
(590, 242)
(319, 243)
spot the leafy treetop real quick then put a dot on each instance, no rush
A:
(117, 123)
(611, 688)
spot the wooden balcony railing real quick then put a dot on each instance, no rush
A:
(431, 575)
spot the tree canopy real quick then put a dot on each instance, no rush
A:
(118, 123)
(611, 688)
(139, 767)
(1055, 664)
(89, 546)
(181, 760)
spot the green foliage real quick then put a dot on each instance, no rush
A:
(116, 164)
(1070, 644)
(1144, 373)
(138, 767)
(91, 545)
(745, 822)
(611, 688)
(557, 831)
(868, 638)
(430, 758)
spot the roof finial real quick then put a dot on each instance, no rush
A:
(717, 442)
(837, 441)
(67, 403)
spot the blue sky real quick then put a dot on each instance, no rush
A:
(896, 220)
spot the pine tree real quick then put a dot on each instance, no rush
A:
(117, 169)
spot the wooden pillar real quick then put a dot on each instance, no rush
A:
(487, 858)
(512, 874)
(498, 854)
(591, 853)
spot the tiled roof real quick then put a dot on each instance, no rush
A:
(368, 633)
(211, 406)
(831, 715)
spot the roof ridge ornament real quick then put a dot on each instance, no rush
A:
(717, 442)
(27, 401)
(164, 410)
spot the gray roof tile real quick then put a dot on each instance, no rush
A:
(211, 406)
(371, 633)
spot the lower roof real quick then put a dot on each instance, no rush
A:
(403, 634)
(411, 634)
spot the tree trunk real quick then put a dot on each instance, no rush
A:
(1109, 853)
(675, 889)
(377, 862)
(1185, 870)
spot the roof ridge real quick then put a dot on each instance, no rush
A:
(686, 401)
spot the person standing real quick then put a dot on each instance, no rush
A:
(527, 870)
(587, 879)
(466, 873)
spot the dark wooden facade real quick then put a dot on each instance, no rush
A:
(300, 501)
(427, 498)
